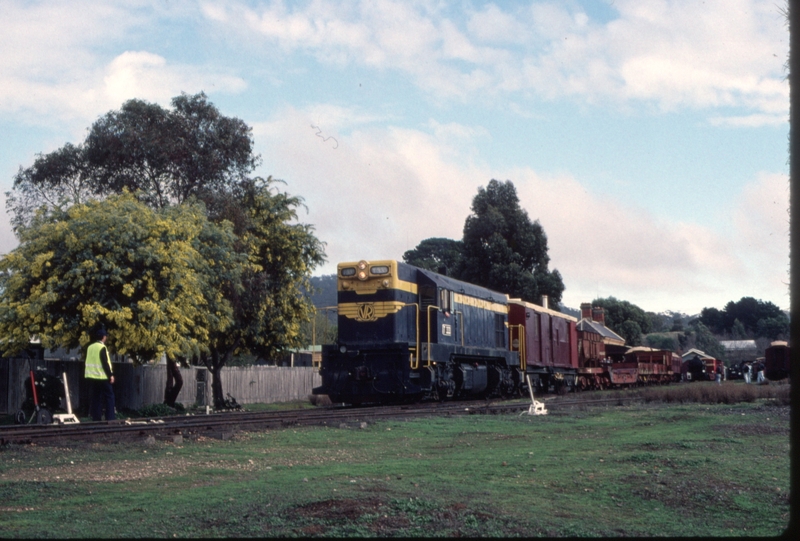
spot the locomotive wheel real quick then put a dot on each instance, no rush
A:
(19, 417)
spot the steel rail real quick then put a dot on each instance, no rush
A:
(225, 425)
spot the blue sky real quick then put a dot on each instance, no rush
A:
(649, 137)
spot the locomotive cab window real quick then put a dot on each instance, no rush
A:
(445, 300)
(427, 296)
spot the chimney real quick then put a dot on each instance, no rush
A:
(586, 310)
(544, 301)
(599, 315)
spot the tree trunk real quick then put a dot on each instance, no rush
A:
(174, 383)
(215, 364)
(216, 387)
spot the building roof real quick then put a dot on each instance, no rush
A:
(608, 335)
(738, 345)
(692, 352)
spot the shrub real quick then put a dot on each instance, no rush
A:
(158, 410)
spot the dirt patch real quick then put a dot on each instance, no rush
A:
(755, 430)
(345, 509)
(690, 494)
(125, 470)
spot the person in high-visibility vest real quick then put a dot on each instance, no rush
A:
(100, 377)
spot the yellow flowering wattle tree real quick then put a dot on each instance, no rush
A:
(144, 273)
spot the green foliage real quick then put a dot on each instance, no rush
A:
(141, 272)
(436, 254)
(618, 312)
(163, 156)
(218, 269)
(504, 251)
(321, 330)
(705, 340)
(677, 325)
(738, 331)
(661, 341)
(268, 301)
(282, 253)
(168, 156)
(631, 332)
(755, 318)
(160, 410)
(55, 181)
(659, 323)
(323, 291)
(775, 328)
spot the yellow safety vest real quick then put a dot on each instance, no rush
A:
(94, 367)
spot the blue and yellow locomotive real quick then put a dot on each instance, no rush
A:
(407, 333)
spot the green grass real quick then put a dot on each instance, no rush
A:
(644, 470)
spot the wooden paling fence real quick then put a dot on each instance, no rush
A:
(138, 386)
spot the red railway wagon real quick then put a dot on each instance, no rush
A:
(592, 361)
(777, 361)
(653, 365)
(711, 368)
(547, 344)
(677, 365)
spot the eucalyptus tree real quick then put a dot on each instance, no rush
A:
(437, 254)
(504, 250)
(164, 156)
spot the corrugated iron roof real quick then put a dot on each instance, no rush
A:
(694, 351)
(587, 324)
(738, 344)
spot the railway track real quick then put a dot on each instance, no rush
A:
(225, 425)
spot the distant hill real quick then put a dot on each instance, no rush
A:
(324, 293)
(571, 312)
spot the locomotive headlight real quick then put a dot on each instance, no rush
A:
(346, 285)
(385, 283)
(362, 275)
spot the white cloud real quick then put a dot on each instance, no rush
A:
(143, 75)
(751, 121)
(8, 241)
(719, 53)
(381, 192)
(64, 60)
(377, 192)
(671, 53)
(761, 219)
(602, 247)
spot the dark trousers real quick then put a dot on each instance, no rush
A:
(101, 396)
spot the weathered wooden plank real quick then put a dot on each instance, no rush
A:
(138, 386)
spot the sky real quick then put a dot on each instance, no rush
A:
(648, 137)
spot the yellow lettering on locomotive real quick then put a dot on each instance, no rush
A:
(366, 312)
(369, 311)
(479, 303)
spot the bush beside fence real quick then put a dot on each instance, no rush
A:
(138, 386)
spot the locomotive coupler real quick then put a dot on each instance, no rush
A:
(362, 373)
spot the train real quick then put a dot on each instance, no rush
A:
(777, 361)
(407, 334)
